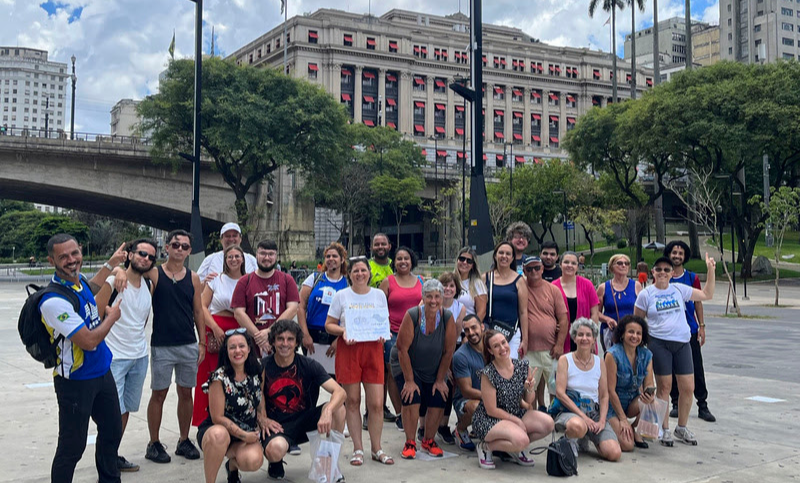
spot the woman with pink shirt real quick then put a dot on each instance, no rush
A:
(579, 294)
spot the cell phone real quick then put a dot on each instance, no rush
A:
(650, 390)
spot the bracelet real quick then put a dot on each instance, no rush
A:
(702, 325)
(108, 266)
(202, 344)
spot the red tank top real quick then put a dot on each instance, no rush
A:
(400, 300)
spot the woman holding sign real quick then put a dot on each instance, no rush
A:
(359, 317)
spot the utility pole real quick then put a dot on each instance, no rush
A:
(72, 107)
(47, 118)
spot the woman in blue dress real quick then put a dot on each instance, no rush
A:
(617, 296)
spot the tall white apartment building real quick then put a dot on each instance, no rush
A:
(759, 30)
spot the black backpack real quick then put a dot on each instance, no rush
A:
(561, 461)
(31, 328)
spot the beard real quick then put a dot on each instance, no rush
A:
(141, 270)
(266, 268)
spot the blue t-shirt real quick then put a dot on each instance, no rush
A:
(466, 363)
(319, 302)
(60, 318)
(690, 279)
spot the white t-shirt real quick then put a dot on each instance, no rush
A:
(127, 339)
(347, 299)
(222, 286)
(466, 299)
(455, 309)
(213, 264)
(666, 311)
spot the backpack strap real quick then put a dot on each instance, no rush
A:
(413, 312)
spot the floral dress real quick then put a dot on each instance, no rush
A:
(509, 396)
(241, 398)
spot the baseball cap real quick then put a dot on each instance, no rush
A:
(230, 226)
(531, 259)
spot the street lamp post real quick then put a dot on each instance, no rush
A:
(460, 88)
(72, 107)
(566, 231)
(511, 176)
(436, 188)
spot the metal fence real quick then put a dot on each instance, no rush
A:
(60, 134)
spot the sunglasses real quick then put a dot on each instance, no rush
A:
(466, 260)
(355, 259)
(240, 330)
(146, 255)
(183, 246)
(662, 269)
(534, 268)
(622, 263)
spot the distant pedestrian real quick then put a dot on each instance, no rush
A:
(642, 270)
(229, 235)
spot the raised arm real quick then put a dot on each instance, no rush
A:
(711, 277)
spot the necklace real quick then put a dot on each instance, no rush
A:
(583, 363)
(171, 275)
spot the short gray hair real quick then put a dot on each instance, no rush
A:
(432, 285)
(583, 322)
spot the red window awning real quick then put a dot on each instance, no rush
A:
(497, 60)
(419, 128)
(444, 54)
(460, 108)
(391, 102)
(499, 157)
(459, 131)
(628, 77)
(595, 102)
(649, 82)
(441, 154)
(499, 135)
(391, 125)
(570, 99)
(519, 159)
(440, 107)
(346, 72)
(498, 112)
(517, 92)
(537, 160)
(371, 42)
(484, 59)
(498, 90)
(419, 81)
(515, 63)
(348, 38)
(439, 130)
(536, 94)
(533, 66)
(596, 74)
(517, 114)
(392, 45)
(484, 157)
(551, 67)
(518, 136)
(391, 77)
(538, 117)
(503, 61)
(553, 96)
(419, 104)
(424, 152)
(346, 97)
(440, 83)
(313, 35)
(571, 120)
(416, 49)
(540, 68)
(554, 118)
(424, 50)
(369, 122)
(553, 139)
(558, 69)
(369, 99)
(536, 138)
(369, 75)
(313, 67)
(460, 155)
(458, 55)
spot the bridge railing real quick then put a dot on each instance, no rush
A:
(60, 134)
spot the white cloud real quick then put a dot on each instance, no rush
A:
(121, 45)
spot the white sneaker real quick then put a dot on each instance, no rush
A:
(666, 438)
(485, 456)
(684, 435)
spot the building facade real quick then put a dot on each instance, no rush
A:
(124, 118)
(705, 44)
(33, 91)
(759, 30)
(672, 43)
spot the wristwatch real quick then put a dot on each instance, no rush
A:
(108, 266)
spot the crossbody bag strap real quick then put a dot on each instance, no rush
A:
(491, 297)
(611, 285)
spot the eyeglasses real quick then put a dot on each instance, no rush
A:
(269, 254)
(466, 260)
(146, 255)
(622, 263)
(662, 269)
(183, 246)
(240, 330)
(233, 257)
(534, 268)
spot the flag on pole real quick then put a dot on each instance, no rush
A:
(172, 46)
(283, 6)
(607, 22)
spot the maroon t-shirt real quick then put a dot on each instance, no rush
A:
(264, 299)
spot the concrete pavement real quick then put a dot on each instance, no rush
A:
(753, 440)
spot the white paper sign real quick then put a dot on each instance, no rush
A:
(367, 325)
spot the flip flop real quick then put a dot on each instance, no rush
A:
(358, 458)
(382, 458)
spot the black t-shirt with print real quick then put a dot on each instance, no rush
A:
(291, 390)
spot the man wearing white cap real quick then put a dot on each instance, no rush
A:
(230, 234)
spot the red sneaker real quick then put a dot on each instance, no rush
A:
(409, 450)
(432, 448)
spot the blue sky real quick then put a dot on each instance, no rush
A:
(121, 45)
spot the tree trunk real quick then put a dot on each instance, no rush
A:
(777, 277)
(399, 217)
(733, 292)
(243, 218)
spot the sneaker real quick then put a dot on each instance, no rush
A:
(409, 450)
(485, 456)
(583, 445)
(673, 412)
(521, 459)
(388, 416)
(399, 423)
(346, 431)
(126, 466)
(684, 435)
(275, 470)
(446, 435)
(157, 452)
(420, 433)
(573, 443)
(295, 450)
(233, 476)
(432, 448)
(543, 409)
(705, 415)
(364, 422)
(666, 438)
(464, 441)
(187, 449)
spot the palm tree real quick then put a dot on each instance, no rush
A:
(610, 6)
(634, 5)
(656, 56)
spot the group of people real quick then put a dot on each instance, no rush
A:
(255, 351)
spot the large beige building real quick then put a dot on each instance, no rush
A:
(705, 44)
(394, 70)
(124, 118)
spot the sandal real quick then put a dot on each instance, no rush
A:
(382, 458)
(358, 458)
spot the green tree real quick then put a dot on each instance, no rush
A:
(8, 206)
(782, 212)
(54, 224)
(610, 6)
(398, 194)
(254, 121)
(16, 230)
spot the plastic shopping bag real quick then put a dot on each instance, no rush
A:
(551, 383)
(325, 451)
(651, 417)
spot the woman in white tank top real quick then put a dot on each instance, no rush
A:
(582, 391)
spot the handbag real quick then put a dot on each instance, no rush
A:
(561, 461)
(508, 329)
(212, 344)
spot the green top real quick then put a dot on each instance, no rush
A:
(379, 272)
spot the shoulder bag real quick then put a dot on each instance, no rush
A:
(508, 329)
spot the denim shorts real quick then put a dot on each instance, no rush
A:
(387, 348)
(129, 374)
